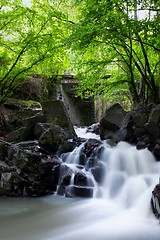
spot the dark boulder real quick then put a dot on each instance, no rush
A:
(53, 138)
(140, 126)
(39, 176)
(153, 129)
(80, 179)
(20, 124)
(75, 176)
(2, 122)
(156, 151)
(141, 145)
(19, 135)
(83, 178)
(77, 191)
(50, 126)
(91, 146)
(27, 170)
(155, 201)
(112, 120)
(64, 178)
(140, 117)
(50, 136)
(3, 150)
(82, 158)
(154, 116)
(126, 132)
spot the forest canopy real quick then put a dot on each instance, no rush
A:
(113, 47)
(32, 42)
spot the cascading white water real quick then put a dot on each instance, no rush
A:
(122, 213)
(130, 172)
(82, 133)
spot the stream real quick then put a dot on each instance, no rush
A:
(119, 210)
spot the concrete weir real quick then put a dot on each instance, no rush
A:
(81, 111)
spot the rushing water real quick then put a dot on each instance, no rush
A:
(121, 213)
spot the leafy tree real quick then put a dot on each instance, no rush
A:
(114, 51)
(31, 41)
(112, 39)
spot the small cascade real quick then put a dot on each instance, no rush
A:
(74, 156)
(130, 172)
(117, 181)
(83, 133)
(75, 180)
(126, 158)
(119, 172)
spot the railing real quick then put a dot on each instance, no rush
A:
(68, 79)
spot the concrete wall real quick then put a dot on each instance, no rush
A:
(81, 111)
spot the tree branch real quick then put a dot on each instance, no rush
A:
(14, 64)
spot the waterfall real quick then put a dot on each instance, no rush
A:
(122, 179)
(120, 207)
(128, 173)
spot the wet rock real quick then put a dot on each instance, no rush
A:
(2, 122)
(156, 151)
(140, 118)
(53, 138)
(82, 159)
(90, 146)
(50, 136)
(155, 201)
(75, 175)
(17, 153)
(80, 179)
(61, 190)
(153, 129)
(140, 126)
(94, 128)
(2, 150)
(77, 191)
(154, 116)
(140, 135)
(112, 120)
(28, 171)
(141, 145)
(40, 128)
(19, 135)
(30, 122)
(64, 178)
(39, 176)
(23, 118)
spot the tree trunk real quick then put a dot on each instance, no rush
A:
(133, 92)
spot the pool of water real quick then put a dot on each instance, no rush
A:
(58, 218)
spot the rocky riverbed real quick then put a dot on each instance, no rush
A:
(33, 139)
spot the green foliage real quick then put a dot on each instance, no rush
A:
(113, 51)
(110, 38)
(32, 41)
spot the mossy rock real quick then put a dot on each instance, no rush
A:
(15, 104)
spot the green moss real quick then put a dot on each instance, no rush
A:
(22, 104)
